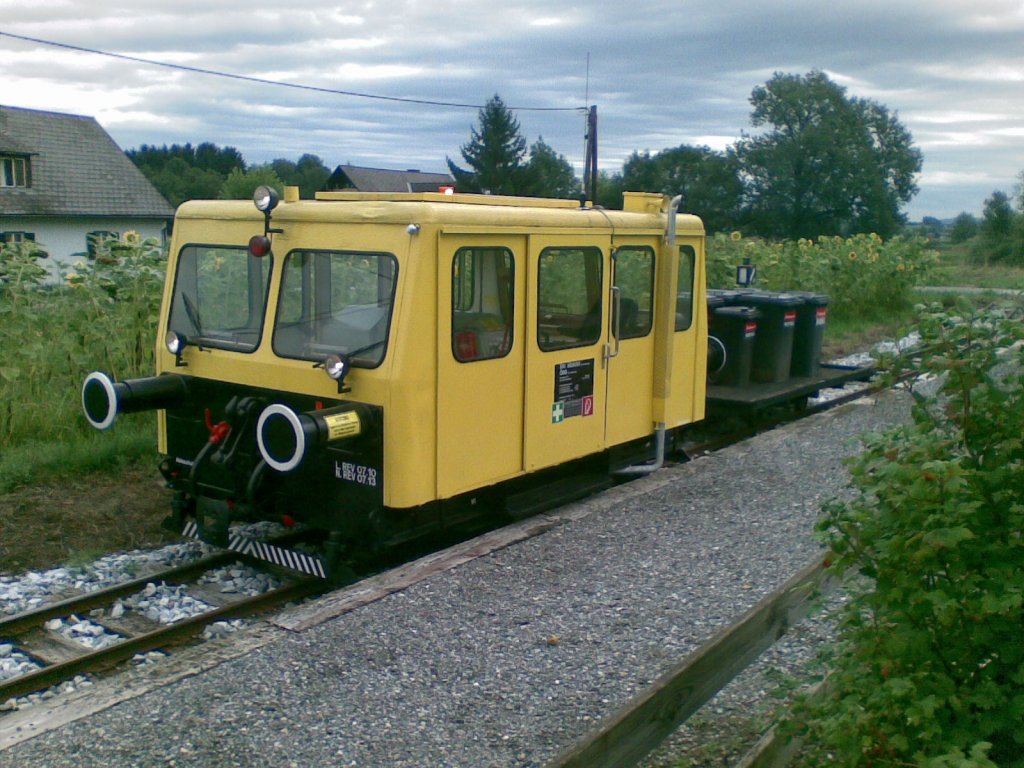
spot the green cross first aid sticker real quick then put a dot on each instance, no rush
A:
(557, 413)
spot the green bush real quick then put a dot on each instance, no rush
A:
(930, 667)
(102, 315)
(863, 275)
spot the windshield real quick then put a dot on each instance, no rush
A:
(220, 295)
(335, 302)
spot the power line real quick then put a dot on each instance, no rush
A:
(278, 83)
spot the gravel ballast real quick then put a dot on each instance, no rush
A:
(508, 659)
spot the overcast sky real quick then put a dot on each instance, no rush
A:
(662, 73)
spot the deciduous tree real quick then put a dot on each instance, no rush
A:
(549, 174)
(827, 164)
(964, 227)
(241, 184)
(709, 180)
(309, 174)
(996, 241)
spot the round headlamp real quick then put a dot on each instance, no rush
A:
(174, 342)
(265, 198)
(336, 367)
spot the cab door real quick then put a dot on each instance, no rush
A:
(480, 360)
(567, 325)
(630, 363)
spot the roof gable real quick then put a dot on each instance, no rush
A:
(77, 169)
(383, 180)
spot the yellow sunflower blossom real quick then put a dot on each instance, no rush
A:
(853, 255)
(736, 235)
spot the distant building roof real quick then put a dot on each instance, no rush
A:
(76, 169)
(382, 180)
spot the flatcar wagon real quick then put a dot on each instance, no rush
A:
(375, 366)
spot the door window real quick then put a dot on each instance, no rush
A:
(684, 290)
(569, 291)
(634, 277)
(483, 304)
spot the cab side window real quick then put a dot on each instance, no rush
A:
(483, 303)
(634, 277)
(684, 288)
(569, 311)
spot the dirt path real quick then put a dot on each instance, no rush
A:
(75, 521)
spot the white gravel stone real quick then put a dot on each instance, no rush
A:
(15, 664)
(84, 632)
(28, 590)
(166, 604)
(241, 579)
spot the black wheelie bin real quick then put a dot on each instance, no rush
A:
(773, 344)
(808, 334)
(732, 332)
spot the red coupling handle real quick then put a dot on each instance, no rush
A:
(218, 432)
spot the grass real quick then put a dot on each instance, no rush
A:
(133, 440)
(845, 336)
(960, 266)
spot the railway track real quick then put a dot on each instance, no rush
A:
(60, 659)
(37, 636)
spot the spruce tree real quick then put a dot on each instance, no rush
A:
(494, 153)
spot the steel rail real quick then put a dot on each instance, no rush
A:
(164, 636)
(19, 622)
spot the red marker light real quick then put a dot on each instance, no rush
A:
(259, 245)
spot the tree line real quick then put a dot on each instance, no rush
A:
(1000, 233)
(183, 172)
(821, 163)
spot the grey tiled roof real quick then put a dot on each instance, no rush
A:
(77, 169)
(381, 180)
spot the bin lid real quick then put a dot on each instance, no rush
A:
(767, 298)
(715, 301)
(812, 298)
(746, 312)
(726, 294)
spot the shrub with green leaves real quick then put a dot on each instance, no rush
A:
(930, 666)
(102, 315)
(863, 275)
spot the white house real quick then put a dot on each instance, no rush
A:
(64, 184)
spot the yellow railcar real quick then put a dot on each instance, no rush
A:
(376, 365)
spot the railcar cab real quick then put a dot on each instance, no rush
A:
(373, 365)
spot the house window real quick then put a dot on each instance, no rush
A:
(98, 241)
(14, 171)
(17, 237)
